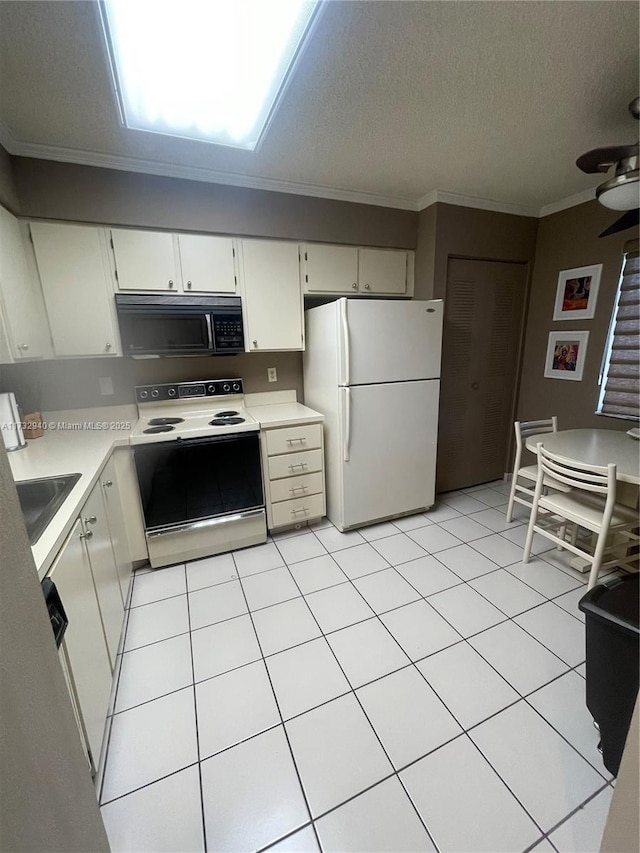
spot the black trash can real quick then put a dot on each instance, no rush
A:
(613, 640)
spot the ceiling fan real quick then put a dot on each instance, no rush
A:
(620, 192)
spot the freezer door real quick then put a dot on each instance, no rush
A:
(384, 340)
(389, 436)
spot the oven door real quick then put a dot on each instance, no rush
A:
(163, 331)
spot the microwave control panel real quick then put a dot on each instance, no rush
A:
(227, 333)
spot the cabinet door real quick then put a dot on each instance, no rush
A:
(272, 295)
(84, 637)
(112, 498)
(330, 269)
(26, 327)
(382, 271)
(103, 568)
(74, 272)
(145, 260)
(207, 264)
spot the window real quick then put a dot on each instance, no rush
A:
(620, 374)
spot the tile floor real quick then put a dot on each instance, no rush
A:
(412, 686)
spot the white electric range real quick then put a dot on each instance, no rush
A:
(197, 455)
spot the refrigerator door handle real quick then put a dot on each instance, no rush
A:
(346, 355)
(347, 424)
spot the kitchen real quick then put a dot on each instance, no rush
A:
(68, 193)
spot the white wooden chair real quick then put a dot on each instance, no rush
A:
(589, 502)
(524, 478)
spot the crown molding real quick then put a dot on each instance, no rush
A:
(566, 203)
(472, 201)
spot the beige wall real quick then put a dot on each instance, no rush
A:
(426, 253)
(8, 190)
(565, 240)
(48, 801)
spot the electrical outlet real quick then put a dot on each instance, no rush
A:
(106, 385)
(272, 374)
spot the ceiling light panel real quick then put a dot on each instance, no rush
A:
(204, 69)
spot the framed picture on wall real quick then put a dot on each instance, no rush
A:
(566, 352)
(577, 293)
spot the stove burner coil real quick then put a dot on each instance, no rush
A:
(226, 414)
(160, 428)
(165, 421)
(226, 421)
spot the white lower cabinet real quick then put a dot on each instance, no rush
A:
(110, 486)
(293, 466)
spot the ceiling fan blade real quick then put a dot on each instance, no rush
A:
(630, 219)
(601, 159)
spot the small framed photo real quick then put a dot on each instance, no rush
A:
(566, 352)
(577, 293)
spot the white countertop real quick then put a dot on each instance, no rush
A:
(284, 414)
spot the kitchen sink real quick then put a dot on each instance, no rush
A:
(41, 499)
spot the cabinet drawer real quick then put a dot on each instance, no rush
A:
(300, 509)
(295, 487)
(292, 439)
(294, 463)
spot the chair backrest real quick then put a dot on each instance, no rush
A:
(524, 429)
(600, 479)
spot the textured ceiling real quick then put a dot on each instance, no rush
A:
(493, 100)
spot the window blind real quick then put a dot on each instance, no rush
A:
(621, 397)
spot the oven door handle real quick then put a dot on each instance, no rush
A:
(205, 522)
(207, 318)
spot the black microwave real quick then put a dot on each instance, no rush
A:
(171, 324)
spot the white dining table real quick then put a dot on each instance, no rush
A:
(594, 447)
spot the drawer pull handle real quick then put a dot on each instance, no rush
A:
(304, 510)
(295, 489)
(292, 440)
(302, 465)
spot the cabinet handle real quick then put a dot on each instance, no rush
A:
(292, 440)
(295, 489)
(86, 535)
(475, 386)
(367, 287)
(354, 285)
(188, 285)
(108, 345)
(23, 346)
(304, 510)
(107, 483)
(255, 343)
(170, 283)
(91, 520)
(298, 465)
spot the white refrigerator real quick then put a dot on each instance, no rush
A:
(372, 367)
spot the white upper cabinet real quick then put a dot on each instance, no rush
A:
(362, 271)
(272, 297)
(26, 333)
(145, 260)
(76, 282)
(161, 262)
(207, 264)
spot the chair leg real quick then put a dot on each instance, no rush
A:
(597, 561)
(512, 495)
(562, 532)
(529, 540)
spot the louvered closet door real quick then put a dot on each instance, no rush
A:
(484, 306)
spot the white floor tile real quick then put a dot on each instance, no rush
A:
(154, 670)
(285, 625)
(520, 659)
(557, 630)
(378, 531)
(215, 604)
(157, 621)
(353, 647)
(360, 560)
(464, 504)
(569, 602)
(251, 794)
(233, 707)
(544, 577)
(298, 548)
(499, 549)
(507, 593)
(562, 560)
(210, 571)
(260, 558)
(519, 535)
(468, 686)
(465, 528)
(411, 522)
(334, 540)
(163, 817)
(545, 773)
(380, 820)
(490, 497)
(149, 742)
(227, 645)
(269, 588)
(441, 512)
(495, 520)
(582, 670)
(385, 590)
(420, 630)
(467, 611)
(407, 715)
(434, 538)
(336, 752)
(563, 704)
(305, 677)
(302, 841)
(291, 531)
(464, 803)
(428, 575)
(582, 833)
(400, 548)
(338, 607)
(466, 562)
(159, 584)
(318, 573)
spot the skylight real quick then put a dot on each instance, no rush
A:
(211, 70)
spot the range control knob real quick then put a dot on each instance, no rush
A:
(171, 392)
(236, 386)
(211, 389)
(144, 395)
(155, 393)
(226, 387)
